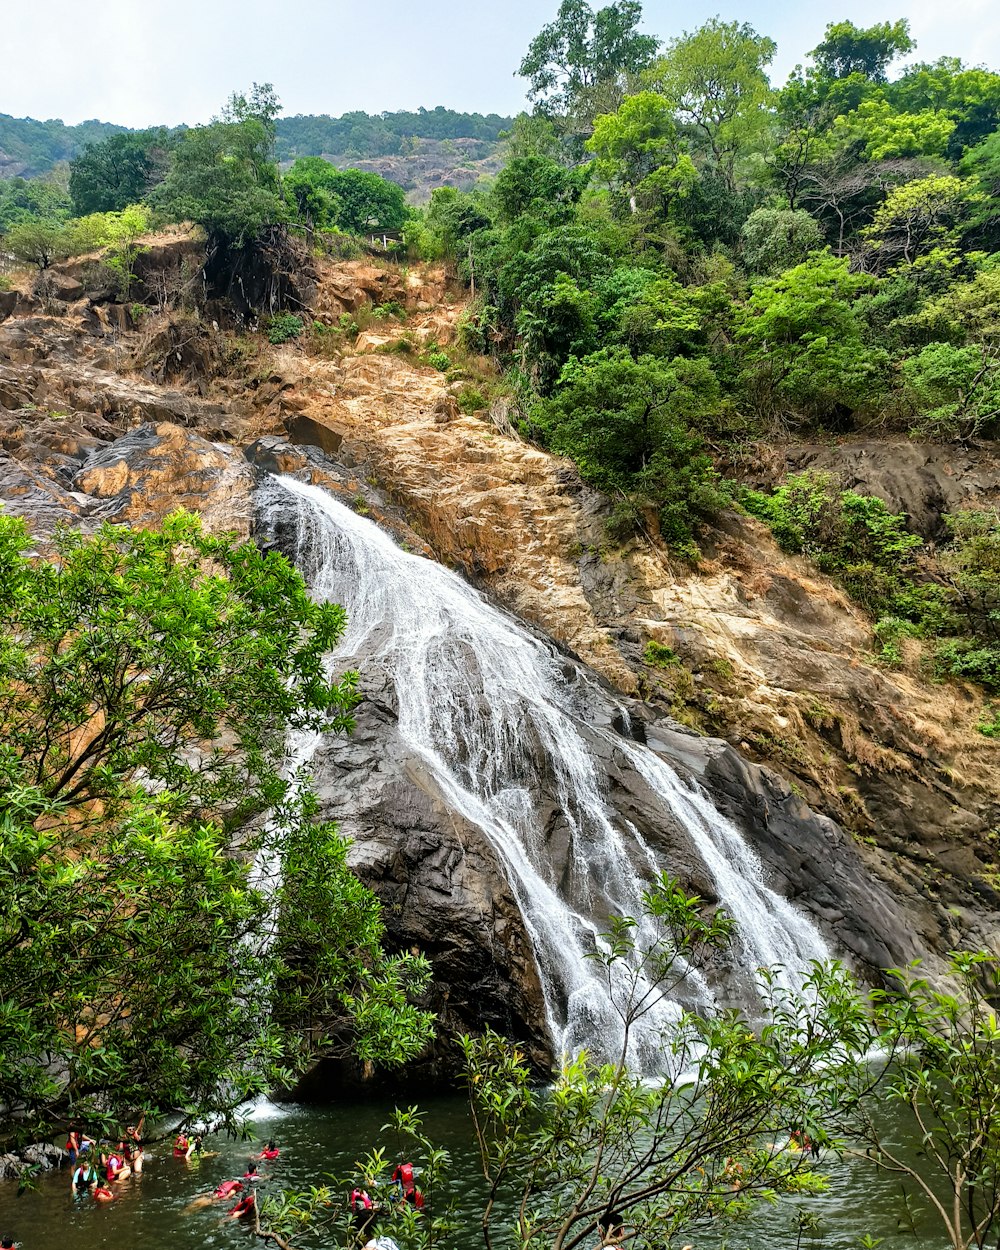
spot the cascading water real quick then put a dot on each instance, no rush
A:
(487, 706)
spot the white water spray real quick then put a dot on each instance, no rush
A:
(488, 708)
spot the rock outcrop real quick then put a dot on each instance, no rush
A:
(876, 803)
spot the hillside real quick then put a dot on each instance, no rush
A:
(419, 150)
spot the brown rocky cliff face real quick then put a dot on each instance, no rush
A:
(766, 654)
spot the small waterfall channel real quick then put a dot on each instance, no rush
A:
(488, 708)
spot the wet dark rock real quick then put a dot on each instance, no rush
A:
(37, 1158)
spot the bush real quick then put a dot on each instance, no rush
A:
(658, 655)
(470, 399)
(628, 425)
(439, 360)
(284, 326)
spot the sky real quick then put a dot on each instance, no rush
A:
(176, 61)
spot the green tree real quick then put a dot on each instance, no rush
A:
(582, 63)
(882, 133)
(915, 218)
(803, 344)
(537, 187)
(947, 1075)
(173, 915)
(223, 176)
(776, 239)
(367, 200)
(971, 564)
(24, 200)
(639, 151)
(955, 390)
(715, 80)
(123, 232)
(869, 51)
(981, 165)
(121, 170)
(970, 95)
(39, 241)
(309, 188)
(565, 1160)
(627, 424)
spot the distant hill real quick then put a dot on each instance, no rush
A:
(386, 134)
(29, 148)
(438, 137)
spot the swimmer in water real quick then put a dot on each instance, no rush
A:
(270, 1151)
(251, 1174)
(102, 1193)
(246, 1206)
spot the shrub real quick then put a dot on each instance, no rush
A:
(284, 326)
(658, 655)
(440, 361)
(471, 399)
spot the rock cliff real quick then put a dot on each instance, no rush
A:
(867, 792)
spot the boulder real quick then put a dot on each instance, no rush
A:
(51, 284)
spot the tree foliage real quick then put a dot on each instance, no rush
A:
(714, 77)
(583, 62)
(174, 916)
(847, 49)
(223, 176)
(119, 171)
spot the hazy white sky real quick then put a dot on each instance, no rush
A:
(176, 61)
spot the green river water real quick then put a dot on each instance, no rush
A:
(152, 1212)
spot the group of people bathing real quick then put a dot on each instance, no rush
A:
(125, 1158)
(366, 1210)
(93, 1170)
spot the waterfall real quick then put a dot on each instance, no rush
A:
(487, 706)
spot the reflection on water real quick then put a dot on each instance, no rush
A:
(152, 1211)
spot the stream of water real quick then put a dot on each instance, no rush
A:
(488, 708)
(154, 1212)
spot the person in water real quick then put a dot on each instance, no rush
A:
(77, 1143)
(195, 1147)
(227, 1189)
(181, 1145)
(408, 1191)
(381, 1243)
(364, 1210)
(83, 1179)
(7, 1243)
(251, 1174)
(117, 1168)
(270, 1151)
(246, 1206)
(611, 1228)
(102, 1193)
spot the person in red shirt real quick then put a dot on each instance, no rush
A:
(246, 1206)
